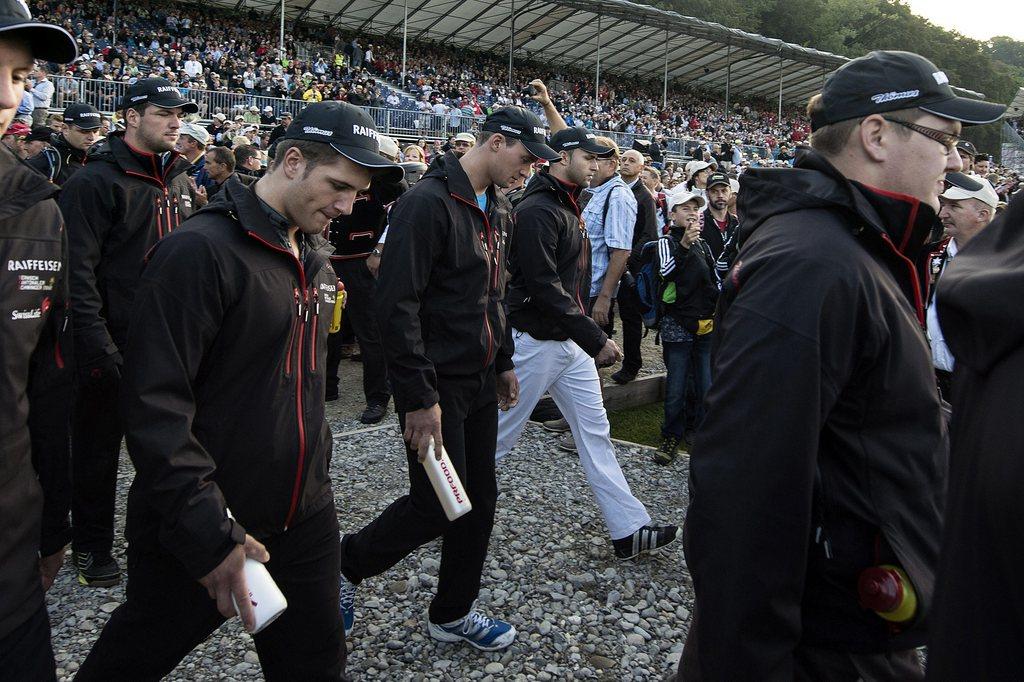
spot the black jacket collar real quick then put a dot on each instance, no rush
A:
(20, 186)
(156, 168)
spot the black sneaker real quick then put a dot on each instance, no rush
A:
(647, 539)
(96, 569)
(666, 454)
(373, 413)
(623, 377)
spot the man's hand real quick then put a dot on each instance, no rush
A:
(542, 97)
(691, 234)
(229, 579)
(420, 425)
(608, 355)
(373, 264)
(600, 311)
(508, 390)
(201, 198)
(49, 567)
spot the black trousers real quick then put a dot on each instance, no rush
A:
(49, 422)
(360, 311)
(469, 425)
(26, 652)
(632, 325)
(96, 435)
(167, 613)
(944, 380)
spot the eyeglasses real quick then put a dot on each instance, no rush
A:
(947, 140)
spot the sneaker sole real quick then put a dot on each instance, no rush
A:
(544, 425)
(98, 582)
(679, 534)
(378, 420)
(447, 637)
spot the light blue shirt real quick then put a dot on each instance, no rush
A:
(481, 201)
(613, 231)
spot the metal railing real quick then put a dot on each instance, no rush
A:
(399, 123)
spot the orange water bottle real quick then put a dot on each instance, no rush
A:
(887, 591)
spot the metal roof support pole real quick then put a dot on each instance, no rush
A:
(511, 38)
(779, 120)
(664, 89)
(281, 36)
(405, 39)
(728, 76)
(597, 77)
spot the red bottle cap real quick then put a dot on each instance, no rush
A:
(880, 589)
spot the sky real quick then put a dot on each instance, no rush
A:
(981, 19)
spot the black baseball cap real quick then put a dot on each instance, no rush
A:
(521, 124)
(348, 129)
(40, 134)
(887, 80)
(158, 92)
(967, 147)
(717, 179)
(47, 42)
(83, 116)
(578, 138)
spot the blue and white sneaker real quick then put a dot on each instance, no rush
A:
(486, 634)
(347, 604)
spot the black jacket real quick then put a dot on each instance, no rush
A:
(716, 238)
(59, 161)
(441, 285)
(224, 383)
(647, 226)
(31, 288)
(977, 632)
(549, 266)
(116, 207)
(692, 271)
(355, 235)
(822, 414)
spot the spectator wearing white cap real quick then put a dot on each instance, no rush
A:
(697, 173)
(193, 140)
(968, 206)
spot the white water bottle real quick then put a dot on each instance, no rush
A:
(449, 489)
(268, 602)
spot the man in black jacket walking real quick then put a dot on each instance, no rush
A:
(32, 291)
(224, 386)
(67, 150)
(557, 346)
(133, 191)
(439, 298)
(819, 470)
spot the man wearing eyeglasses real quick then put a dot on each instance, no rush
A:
(818, 474)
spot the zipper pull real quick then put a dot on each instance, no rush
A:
(305, 296)
(298, 303)
(316, 303)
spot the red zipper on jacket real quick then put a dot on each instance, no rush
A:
(312, 338)
(297, 485)
(159, 223)
(491, 275)
(291, 334)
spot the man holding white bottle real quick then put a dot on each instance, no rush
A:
(439, 300)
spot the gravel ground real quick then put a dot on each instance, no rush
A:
(581, 613)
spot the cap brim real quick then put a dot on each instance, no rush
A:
(368, 159)
(595, 148)
(541, 150)
(716, 184)
(968, 111)
(963, 181)
(47, 42)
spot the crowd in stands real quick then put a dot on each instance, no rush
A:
(450, 88)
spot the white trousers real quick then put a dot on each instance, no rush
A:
(564, 370)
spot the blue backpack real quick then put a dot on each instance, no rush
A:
(651, 288)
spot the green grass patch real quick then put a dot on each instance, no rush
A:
(640, 424)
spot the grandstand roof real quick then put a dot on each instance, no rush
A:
(633, 39)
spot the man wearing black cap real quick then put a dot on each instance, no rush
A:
(224, 395)
(967, 152)
(38, 140)
(439, 303)
(284, 120)
(819, 470)
(67, 150)
(133, 191)
(32, 250)
(719, 224)
(557, 344)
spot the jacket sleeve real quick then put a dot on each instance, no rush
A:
(536, 244)
(88, 215)
(414, 244)
(783, 357)
(176, 316)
